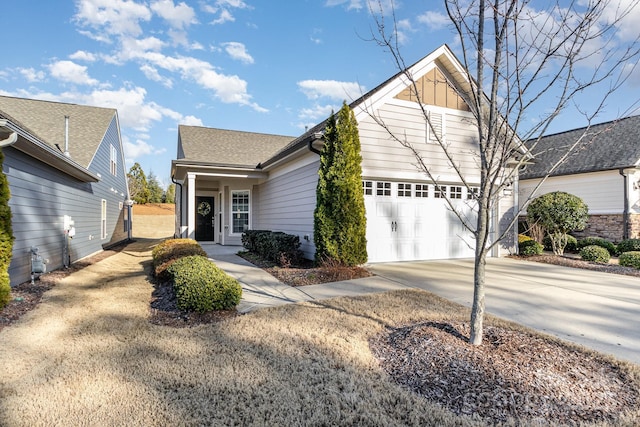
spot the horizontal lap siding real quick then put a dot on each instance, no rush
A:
(603, 192)
(385, 157)
(287, 202)
(40, 197)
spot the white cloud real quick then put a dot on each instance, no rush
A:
(434, 20)
(238, 51)
(152, 74)
(340, 91)
(317, 112)
(81, 55)
(137, 149)
(115, 17)
(31, 75)
(71, 72)
(191, 121)
(351, 4)
(225, 16)
(179, 16)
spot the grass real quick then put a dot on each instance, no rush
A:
(89, 356)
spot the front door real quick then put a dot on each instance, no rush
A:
(205, 218)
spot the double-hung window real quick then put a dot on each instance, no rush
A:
(113, 160)
(240, 205)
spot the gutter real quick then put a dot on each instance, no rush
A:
(625, 212)
(11, 139)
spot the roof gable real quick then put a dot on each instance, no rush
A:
(434, 88)
(227, 147)
(46, 121)
(605, 146)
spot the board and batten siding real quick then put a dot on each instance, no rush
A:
(603, 192)
(385, 157)
(287, 200)
(40, 197)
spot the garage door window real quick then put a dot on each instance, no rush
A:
(383, 189)
(404, 190)
(455, 192)
(422, 190)
(472, 193)
(367, 188)
(440, 191)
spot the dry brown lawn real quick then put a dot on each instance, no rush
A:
(88, 355)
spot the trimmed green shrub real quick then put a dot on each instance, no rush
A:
(630, 259)
(595, 253)
(572, 244)
(558, 213)
(598, 241)
(201, 286)
(249, 239)
(529, 247)
(629, 245)
(168, 251)
(5, 289)
(274, 246)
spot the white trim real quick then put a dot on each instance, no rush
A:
(103, 219)
(231, 193)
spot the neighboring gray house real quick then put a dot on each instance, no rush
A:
(603, 170)
(66, 173)
(229, 181)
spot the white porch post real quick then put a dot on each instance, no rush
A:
(191, 206)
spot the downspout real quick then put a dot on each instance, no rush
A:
(11, 139)
(315, 137)
(625, 212)
(181, 207)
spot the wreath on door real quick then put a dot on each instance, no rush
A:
(204, 208)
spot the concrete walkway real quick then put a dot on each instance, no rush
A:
(598, 310)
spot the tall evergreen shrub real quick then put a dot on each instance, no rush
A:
(339, 218)
(6, 237)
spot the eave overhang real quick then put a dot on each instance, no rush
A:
(34, 147)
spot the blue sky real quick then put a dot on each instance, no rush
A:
(260, 66)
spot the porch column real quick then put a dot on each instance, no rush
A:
(191, 206)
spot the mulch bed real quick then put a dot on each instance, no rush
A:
(306, 272)
(568, 261)
(512, 376)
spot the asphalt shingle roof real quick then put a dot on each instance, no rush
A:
(606, 146)
(228, 147)
(46, 121)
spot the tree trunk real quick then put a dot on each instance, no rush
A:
(477, 310)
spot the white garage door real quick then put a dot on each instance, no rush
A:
(411, 221)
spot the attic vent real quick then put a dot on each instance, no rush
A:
(435, 130)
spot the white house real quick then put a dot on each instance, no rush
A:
(603, 170)
(229, 181)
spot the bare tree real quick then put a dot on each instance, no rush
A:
(524, 66)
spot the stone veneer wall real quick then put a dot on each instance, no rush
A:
(610, 227)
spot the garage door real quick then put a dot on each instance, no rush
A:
(411, 221)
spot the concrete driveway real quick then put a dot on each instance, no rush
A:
(598, 310)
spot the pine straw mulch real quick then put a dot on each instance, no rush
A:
(513, 377)
(569, 261)
(306, 272)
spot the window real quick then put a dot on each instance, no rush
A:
(367, 188)
(103, 220)
(113, 161)
(404, 190)
(472, 193)
(455, 192)
(239, 211)
(440, 191)
(422, 190)
(383, 189)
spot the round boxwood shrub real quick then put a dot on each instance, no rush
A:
(630, 259)
(529, 248)
(168, 251)
(201, 286)
(572, 244)
(598, 241)
(629, 245)
(595, 253)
